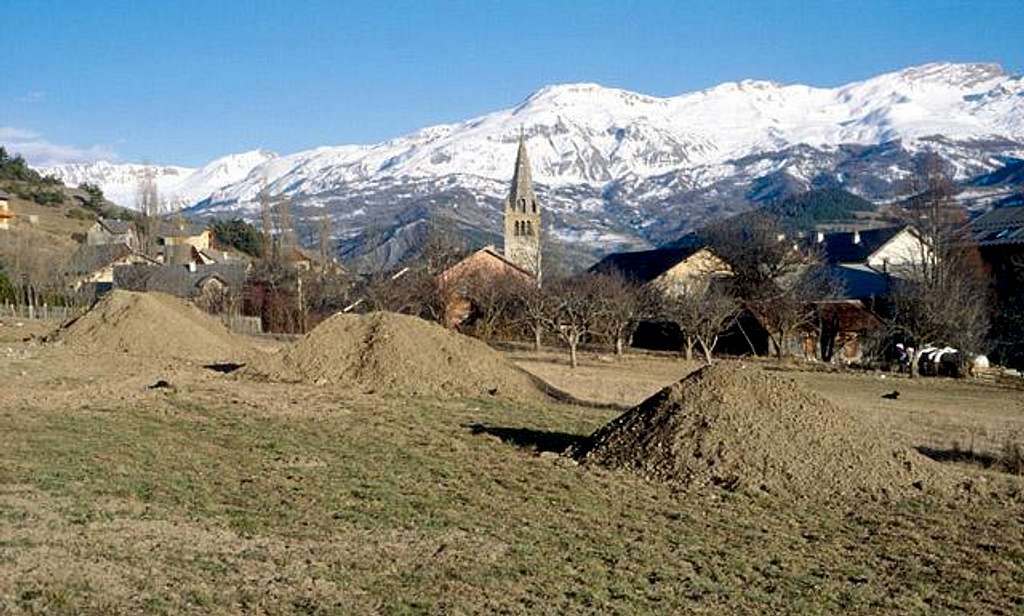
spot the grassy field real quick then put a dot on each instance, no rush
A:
(224, 496)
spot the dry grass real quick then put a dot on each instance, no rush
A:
(227, 496)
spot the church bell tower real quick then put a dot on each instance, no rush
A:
(522, 217)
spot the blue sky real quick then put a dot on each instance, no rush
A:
(182, 82)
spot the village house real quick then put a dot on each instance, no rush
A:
(112, 231)
(214, 287)
(999, 236)
(866, 262)
(6, 215)
(90, 269)
(673, 271)
(484, 264)
(183, 233)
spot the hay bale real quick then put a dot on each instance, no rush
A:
(740, 428)
(395, 354)
(151, 325)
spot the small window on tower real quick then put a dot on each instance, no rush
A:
(529, 228)
(522, 204)
(534, 203)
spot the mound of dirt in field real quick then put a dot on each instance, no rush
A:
(389, 353)
(153, 325)
(740, 428)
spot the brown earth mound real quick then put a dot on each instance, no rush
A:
(152, 325)
(741, 428)
(389, 353)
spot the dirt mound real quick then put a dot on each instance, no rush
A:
(389, 353)
(741, 428)
(152, 325)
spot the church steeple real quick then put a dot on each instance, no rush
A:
(522, 184)
(522, 216)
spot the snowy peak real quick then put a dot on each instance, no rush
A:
(178, 186)
(584, 134)
(965, 76)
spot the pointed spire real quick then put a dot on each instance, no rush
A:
(522, 183)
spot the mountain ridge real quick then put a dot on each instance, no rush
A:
(626, 169)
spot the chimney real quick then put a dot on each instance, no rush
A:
(192, 266)
(856, 237)
(820, 238)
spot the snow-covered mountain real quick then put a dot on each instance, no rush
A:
(620, 168)
(178, 186)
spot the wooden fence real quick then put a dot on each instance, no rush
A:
(240, 324)
(43, 311)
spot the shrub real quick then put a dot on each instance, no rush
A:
(1011, 458)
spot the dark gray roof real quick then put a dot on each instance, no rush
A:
(176, 280)
(861, 282)
(1004, 225)
(841, 247)
(645, 265)
(5, 195)
(88, 259)
(117, 227)
(173, 228)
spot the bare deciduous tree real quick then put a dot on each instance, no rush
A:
(495, 300)
(575, 308)
(775, 277)
(622, 305)
(942, 296)
(702, 313)
(149, 206)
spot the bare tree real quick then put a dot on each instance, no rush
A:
(623, 305)
(777, 278)
(702, 313)
(941, 297)
(535, 308)
(150, 206)
(325, 229)
(266, 223)
(575, 309)
(31, 261)
(494, 300)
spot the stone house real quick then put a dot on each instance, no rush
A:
(484, 264)
(671, 270)
(866, 261)
(6, 215)
(91, 268)
(183, 233)
(112, 231)
(215, 287)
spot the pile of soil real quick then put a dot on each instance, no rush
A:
(152, 325)
(740, 428)
(389, 353)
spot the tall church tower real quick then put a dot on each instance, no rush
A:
(522, 217)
